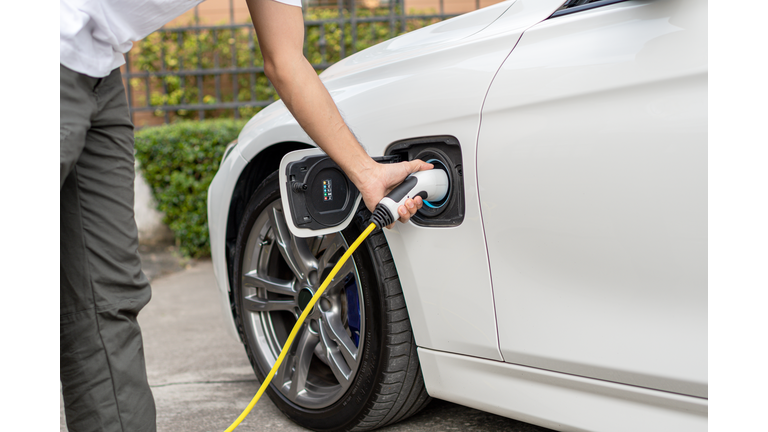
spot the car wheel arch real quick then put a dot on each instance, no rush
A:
(261, 165)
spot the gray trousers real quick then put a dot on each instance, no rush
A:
(102, 372)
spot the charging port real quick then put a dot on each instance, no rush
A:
(435, 205)
(444, 152)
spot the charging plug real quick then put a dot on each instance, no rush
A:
(430, 185)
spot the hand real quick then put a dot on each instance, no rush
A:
(379, 179)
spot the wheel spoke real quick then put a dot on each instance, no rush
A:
(340, 336)
(302, 357)
(253, 303)
(331, 248)
(338, 365)
(339, 347)
(294, 250)
(274, 285)
(319, 243)
(340, 369)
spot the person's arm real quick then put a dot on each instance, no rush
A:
(280, 31)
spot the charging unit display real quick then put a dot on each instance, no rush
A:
(317, 195)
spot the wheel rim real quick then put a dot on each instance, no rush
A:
(281, 272)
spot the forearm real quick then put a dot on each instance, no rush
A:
(310, 103)
(280, 30)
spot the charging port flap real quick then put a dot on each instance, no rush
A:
(317, 196)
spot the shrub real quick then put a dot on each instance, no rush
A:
(179, 161)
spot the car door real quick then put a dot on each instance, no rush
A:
(592, 174)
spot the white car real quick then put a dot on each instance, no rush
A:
(562, 282)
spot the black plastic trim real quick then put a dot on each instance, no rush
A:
(584, 7)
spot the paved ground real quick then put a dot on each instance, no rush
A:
(201, 378)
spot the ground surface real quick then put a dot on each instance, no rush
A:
(201, 378)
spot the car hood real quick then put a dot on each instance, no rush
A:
(416, 42)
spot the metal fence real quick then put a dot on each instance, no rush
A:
(204, 71)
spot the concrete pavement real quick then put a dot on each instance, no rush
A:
(202, 380)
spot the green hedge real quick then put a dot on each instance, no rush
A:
(179, 161)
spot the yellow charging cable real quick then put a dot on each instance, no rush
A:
(295, 330)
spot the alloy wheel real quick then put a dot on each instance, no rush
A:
(280, 274)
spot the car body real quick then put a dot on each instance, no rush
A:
(570, 290)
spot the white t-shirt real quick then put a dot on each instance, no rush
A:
(96, 33)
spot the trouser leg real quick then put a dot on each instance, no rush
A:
(103, 374)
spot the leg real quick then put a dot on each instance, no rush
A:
(103, 374)
(77, 105)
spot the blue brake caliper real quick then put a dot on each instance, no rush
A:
(353, 307)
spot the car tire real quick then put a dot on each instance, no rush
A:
(354, 361)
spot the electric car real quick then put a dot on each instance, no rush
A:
(563, 279)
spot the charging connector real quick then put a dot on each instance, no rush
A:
(430, 185)
(382, 217)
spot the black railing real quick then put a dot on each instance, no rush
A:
(204, 71)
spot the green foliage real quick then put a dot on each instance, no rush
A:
(193, 50)
(179, 161)
(187, 49)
